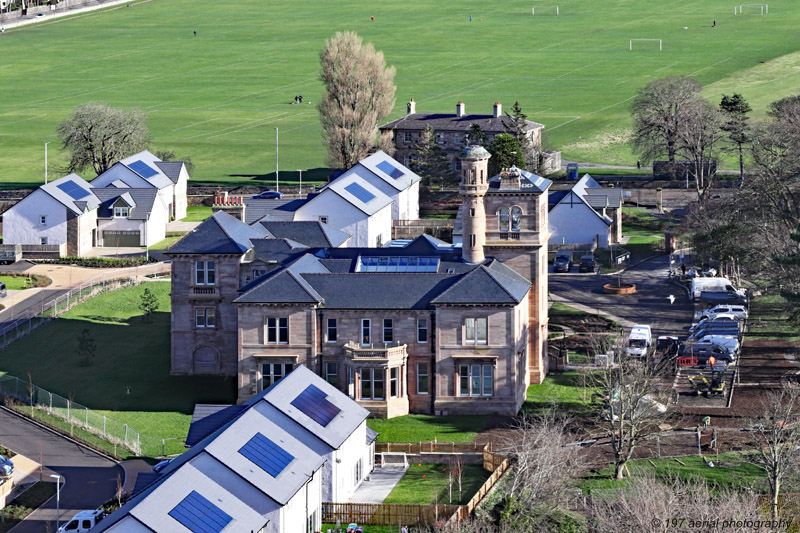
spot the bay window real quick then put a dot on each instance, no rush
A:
(273, 372)
(372, 384)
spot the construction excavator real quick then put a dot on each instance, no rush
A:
(701, 385)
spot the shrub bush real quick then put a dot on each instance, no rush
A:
(99, 262)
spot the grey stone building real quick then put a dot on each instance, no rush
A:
(425, 328)
(451, 131)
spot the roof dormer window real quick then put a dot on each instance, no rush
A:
(121, 212)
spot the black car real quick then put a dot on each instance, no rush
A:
(588, 263)
(563, 261)
(268, 195)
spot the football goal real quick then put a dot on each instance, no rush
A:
(544, 10)
(394, 459)
(751, 9)
(630, 44)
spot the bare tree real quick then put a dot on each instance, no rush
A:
(99, 135)
(661, 506)
(359, 93)
(776, 439)
(699, 137)
(386, 143)
(542, 463)
(634, 402)
(659, 112)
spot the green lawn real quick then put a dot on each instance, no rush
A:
(131, 353)
(14, 283)
(563, 392)
(769, 319)
(197, 213)
(219, 96)
(424, 428)
(427, 483)
(730, 471)
(166, 243)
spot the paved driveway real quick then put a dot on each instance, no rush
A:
(90, 480)
(649, 305)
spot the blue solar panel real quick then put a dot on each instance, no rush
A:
(200, 515)
(143, 169)
(267, 455)
(390, 169)
(359, 192)
(313, 403)
(73, 189)
(398, 264)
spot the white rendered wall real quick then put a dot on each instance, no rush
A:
(180, 200)
(21, 222)
(576, 224)
(342, 215)
(380, 224)
(294, 515)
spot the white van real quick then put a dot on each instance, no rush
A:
(639, 341)
(712, 285)
(82, 522)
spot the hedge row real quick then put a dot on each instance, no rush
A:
(99, 262)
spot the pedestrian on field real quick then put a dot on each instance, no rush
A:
(638, 164)
(300, 98)
(714, 24)
(683, 269)
(470, 18)
(195, 33)
(372, 19)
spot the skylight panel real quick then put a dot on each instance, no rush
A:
(199, 515)
(360, 192)
(314, 403)
(390, 169)
(143, 169)
(267, 455)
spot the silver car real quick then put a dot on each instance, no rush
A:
(6, 467)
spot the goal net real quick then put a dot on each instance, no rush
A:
(651, 42)
(394, 459)
(545, 10)
(751, 9)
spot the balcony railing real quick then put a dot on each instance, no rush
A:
(375, 351)
(204, 293)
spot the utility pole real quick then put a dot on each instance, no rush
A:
(277, 184)
(301, 180)
(45, 162)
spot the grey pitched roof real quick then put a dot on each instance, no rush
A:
(219, 234)
(474, 152)
(600, 198)
(528, 182)
(277, 250)
(377, 164)
(208, 418)
(484, 286)
(171, 169)
(553, 197)
(141, 199)
(313, 234)
(158, 180)
(281, 287)
(379, 290)
(143, 480)
(75, 204)
(369, 205)
(372, 435)
(452, 122)
(257, 208)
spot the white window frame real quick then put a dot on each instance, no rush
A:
(273, 376)
(408, 137)
(366, 326)
(205, 318)
(372, 372)
(121, 212)
(476, 375)
(42, 220)
(422, 325)
(43, 241)
(333, 326)
(388, 327)
(202, 269)
(274, 326)
(426, 375)
(511, 211)
(334, 374)
(472, 327)
(394, 382)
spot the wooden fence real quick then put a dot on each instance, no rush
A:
(383, 514)
(432, 447)
(464, 511)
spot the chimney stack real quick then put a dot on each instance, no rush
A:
(498, 110)
(460, 109)
(412, 107)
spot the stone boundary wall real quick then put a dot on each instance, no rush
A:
(15, 19)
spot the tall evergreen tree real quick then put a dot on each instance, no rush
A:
(505, 152)
(476, 135)
(432, 163)
(735, 109)
(519, 121)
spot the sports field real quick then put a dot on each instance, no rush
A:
(219, 96)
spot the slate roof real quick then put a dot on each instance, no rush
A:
(371, 166)
(257, 208)
(207, 418)
(171, 169)
(141, 199)
(451, 122)
(341, 186)
(528, 182)
(313, 234)
(219, 234)
(76, 205)
(484, 286)
(158, 180)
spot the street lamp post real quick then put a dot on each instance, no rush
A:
(58, 499)
(277, 183)
(45, 162)
(301, 180)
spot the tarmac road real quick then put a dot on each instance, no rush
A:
(649, 305)
(90, 479)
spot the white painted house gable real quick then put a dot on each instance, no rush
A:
(394, 180)
(573, 221)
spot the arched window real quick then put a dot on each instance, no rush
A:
(516, 217)
(503, 213)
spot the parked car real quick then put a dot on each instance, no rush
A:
(268, 195)
(703, 350)
(640, 340)
(588, 263)
(3, 290)
(667, 347)
(563, 261)
(739, 311)
(735, 296)
(719, 319)
(82, 522)
(718, 323)
(6, 467)
(724, 331)
(729, 342)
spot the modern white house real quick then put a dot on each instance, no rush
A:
(128, 205)
(62, 213)
(394, 180)
(263, 466)
(585, 213)
(352, 205)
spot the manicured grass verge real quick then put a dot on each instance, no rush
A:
(197, 213)
(25, 504)
(563, 309)
(564, 393)
(730, 471)
(424, 428)
(22, 281)
(769, 319)
(129, 377)
(425, 484)
(166, 243)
